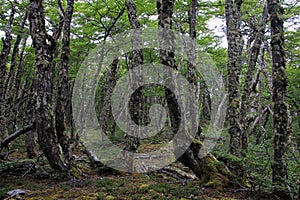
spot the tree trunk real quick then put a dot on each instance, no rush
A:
(165, 12)
(44, 85)
(13, 80)
(137, 58)
(248, 86)
(207, 168)
(3, 62)
(11, 76)
(63, 84)
(106, 107)
(31, 144)
(30, 140)
(280, 107)
(18, 78)
(235, 45)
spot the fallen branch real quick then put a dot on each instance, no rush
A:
(16, 167)
(178, 174)
(10, 138)
(5, 155)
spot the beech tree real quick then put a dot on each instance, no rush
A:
(201, 166)
(44, 46)
(44, 43)
(63, 81)
(234, 66)
(280, 107)
(7, 42)
(137, 58)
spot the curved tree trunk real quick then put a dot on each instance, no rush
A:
(208, 169)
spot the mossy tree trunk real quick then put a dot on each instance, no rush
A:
(250, 85)
(63, 83)
(44, 120)
(111, 81)
(7, 42)
(235, 46)
(12, 83)
(137, 59)
(208, 169)
(280, 107)
(166, 54)
(30, 139)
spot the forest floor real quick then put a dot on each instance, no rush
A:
(113, 186)
(33, 178)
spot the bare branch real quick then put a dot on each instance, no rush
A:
(15, 135)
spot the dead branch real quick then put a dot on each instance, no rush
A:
(5, 155)
(10, 138)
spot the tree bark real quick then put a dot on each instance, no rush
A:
(13, 80)
(165, 14)
(248, 86)
(3, 62)
(280, 107)
(11, 76)
(137, 58)
(63, 84)
(30, 140)
(204, 167)
(44, 85)
(235, 46)
(31, 144)
(106, 107)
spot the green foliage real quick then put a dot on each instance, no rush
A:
(101, 196)
(257, 163)
(105, 182)
(92, 23)
(174, 191)
(4, 189)
(293, 99)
